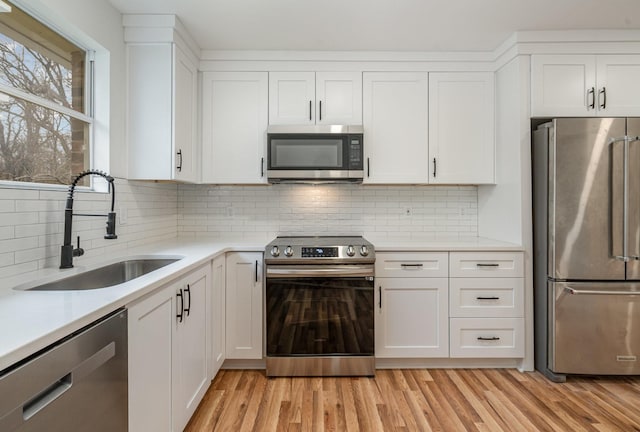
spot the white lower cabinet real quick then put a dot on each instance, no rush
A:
(412, 318)
(449, 305)
(218, 287)
(487, 304)
(487, 337)
(168, 364)
(412, 305)
(244, 306)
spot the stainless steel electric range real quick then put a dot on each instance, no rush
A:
(319, 306)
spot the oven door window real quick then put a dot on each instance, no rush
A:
(320, 316)
(308, 152)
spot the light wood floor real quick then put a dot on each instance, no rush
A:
(483, 400)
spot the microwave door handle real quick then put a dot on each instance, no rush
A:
(310, 109)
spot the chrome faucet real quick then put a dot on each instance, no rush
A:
(67, 251)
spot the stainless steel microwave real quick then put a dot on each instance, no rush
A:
(315, 153)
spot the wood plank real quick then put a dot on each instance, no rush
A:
(483, 400)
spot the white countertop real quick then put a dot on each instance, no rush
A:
(32, 320)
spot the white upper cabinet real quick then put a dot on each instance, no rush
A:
(234, 126)
(339, 98)
(461, 128)
(585, 85)
(395, 119)
(315, 98)
(161, 111)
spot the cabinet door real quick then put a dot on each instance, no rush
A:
(618, 85)
(563, 85)
(218, 285)
(150, 350)
(412, 318)
(461, 128)
(149, 111)
(234, 126)
(185, 117)
(244, 306)
(395, 118)
(190, 373)
(292, 98)
(339, 98)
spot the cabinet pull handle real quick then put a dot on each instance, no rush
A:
(179, 167)
(418, 265)
(380, 297)
(603, 92)
(188, 291)
(310, 108)
(261, 167)
(368, 168)
(492, 338)
(320, 110)
(256, 270)
(487, 265)
(487, 298)
(435, 166)
(591, 93)
(180, 315)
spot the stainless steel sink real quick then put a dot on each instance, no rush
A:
(103, 277)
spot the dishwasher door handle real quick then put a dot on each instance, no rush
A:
(53, 392)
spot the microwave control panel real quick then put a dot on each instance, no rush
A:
(355, 152)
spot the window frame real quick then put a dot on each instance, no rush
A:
(39, 13)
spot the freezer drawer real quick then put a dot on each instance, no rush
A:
(594, 328)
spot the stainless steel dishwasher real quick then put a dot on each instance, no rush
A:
(77, 384)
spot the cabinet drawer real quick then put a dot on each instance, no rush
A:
(405, 264)
(486, 264)
(486, 297)
(487, 337)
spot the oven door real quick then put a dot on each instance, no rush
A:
(320, 310)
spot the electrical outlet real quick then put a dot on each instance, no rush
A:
(122, 215)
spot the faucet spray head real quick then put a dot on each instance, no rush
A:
(111, 226)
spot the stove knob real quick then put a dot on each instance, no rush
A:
(351, 251)
(364, 250)
(288, 251)
(275, 251)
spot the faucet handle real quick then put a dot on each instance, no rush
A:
(78, 251)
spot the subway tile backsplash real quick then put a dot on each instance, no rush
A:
(296, 209)
(32, 221)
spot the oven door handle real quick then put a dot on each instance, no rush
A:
(302, 271)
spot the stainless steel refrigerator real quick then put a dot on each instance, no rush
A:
(586, 201)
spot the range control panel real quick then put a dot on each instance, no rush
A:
(319, 252)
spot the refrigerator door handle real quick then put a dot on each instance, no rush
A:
(635, 254)
(574, 291)
(625, 198)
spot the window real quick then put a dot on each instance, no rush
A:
(45, 128)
